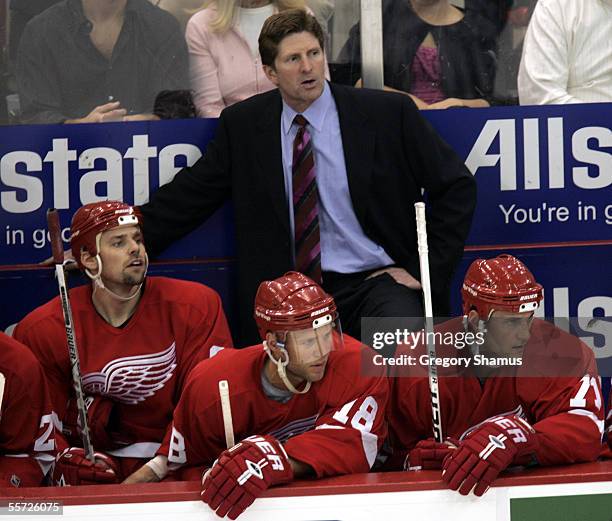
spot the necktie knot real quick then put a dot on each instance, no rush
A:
(300, 120)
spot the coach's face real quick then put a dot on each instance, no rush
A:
(299, 70)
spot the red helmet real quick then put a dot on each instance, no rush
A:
(503, 284)
(290, 303)
(94, 218)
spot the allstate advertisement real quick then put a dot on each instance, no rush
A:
(544, 173)
(65, 166)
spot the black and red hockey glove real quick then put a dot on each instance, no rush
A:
(243, 472)
(486, 451)
(99, 411)
(429, 454)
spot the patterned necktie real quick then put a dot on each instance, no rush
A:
(305, 204)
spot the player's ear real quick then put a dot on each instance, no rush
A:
(271, 341)
(89, 261)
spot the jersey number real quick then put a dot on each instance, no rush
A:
(46, 441)
(579, 400)
(177, 453)
(363, 419)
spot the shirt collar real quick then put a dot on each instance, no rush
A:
(315, 114)
(80, 21)
(78, 17)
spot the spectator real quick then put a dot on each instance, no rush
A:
(567, 53)
(442, 56)
(509, 50)
(98, 60)
(29, 425)
(182, 10)
(299, 402)
(495, 11)
(523, 393)
(342, 208)
(346, 15)
(137, 338)
(21, 12)
(225, 65)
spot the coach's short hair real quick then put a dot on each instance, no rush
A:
(281, 25)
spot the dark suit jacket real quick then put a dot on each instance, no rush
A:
(391, 152)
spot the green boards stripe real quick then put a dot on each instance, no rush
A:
(586, 507)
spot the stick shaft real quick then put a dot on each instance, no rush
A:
(432, 370)
(226, 409)
(58, 257)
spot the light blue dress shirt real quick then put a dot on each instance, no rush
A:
(344, 246)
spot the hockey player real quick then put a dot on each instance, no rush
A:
(27, 422)
(543, 407)
(137, 337)
(299, 404)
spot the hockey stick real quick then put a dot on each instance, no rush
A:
(58, 259)
(2, 381)
(432, 370)
(226, 409)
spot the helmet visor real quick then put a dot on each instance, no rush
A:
(312, 345)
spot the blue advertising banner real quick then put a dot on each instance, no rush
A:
(544, 173)
(65, 166)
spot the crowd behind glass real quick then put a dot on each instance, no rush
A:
(185, 58)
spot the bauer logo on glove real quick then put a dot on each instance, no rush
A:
(488, 449)
(243, 472)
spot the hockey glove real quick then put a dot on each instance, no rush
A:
(73, 468)
(429, 454)
(486, 451)
(243, 472)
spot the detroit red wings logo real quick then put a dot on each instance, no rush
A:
(133, 379)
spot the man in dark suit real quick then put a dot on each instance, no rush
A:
(372, 154)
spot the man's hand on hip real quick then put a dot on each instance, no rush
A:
(400, 275)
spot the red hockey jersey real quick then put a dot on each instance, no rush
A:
(336, 427)
(566, 411)
(27, 422)
(142, 366)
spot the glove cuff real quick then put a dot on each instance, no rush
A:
(286, 475)
(525, 451)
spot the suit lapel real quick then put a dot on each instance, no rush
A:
(269, 157)
(358, 139)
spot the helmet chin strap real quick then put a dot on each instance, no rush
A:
(99, 283)
(281, 363)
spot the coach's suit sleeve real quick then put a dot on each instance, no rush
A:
(194, 194)
(450, 194)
